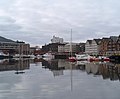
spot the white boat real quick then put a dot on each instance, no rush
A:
(83, 57)
(48, 55)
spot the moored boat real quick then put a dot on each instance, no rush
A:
(48, 55)
(72, 59)
(82, 57)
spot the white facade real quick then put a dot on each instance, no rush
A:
(74, 47)
(92, 47)
(88, 47)
(95, 47)
(61, 48)
(56, 40)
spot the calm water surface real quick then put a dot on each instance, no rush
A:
(58, 79)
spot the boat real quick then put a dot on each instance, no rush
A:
(71, 58)
(48, 55)
(103, 58)
(83, 57)
(3, 56)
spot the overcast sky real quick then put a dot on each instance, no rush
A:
(36, 21)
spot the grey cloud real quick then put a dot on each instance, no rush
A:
(9, 27)
(8, 24)
(40, 20)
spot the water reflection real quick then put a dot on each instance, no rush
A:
(58, 78)
(106, 69)
(14, 64)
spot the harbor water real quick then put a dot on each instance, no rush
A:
(58, 79)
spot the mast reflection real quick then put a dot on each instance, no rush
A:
(105, 69)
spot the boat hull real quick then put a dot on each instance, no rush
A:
(72, 59)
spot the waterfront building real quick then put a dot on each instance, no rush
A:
(92, 46)
(23, 48)
(45, 48)
(32, 50)
(7, 46)
(56, 40)
(81, 47)
(75, 47)
(11, 47)
(118, 46)
(61, 48)
(88, 46)
(103, 47)
(53, 47)
(112, 45)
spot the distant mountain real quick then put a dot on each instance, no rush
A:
(2, 39)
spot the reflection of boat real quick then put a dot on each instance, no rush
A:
(81, 62)
(19, 72)
(21, 56)
(32, 56)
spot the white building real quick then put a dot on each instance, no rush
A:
(56, 40)
(75, 47)
(88, 46)
(61, 48)
(92, 46)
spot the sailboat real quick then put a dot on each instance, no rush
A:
(71, 57)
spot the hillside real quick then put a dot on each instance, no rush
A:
(2, 39)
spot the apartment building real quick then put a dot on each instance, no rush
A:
(112, 45)
(75, 48)
(88, 47)
(103, 47)
(92, 46)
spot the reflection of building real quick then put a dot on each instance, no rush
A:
(92, 68)
(8, 65)
(107, 70)
(54, 66)
(57, 72)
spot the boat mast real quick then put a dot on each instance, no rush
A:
(71, 44)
